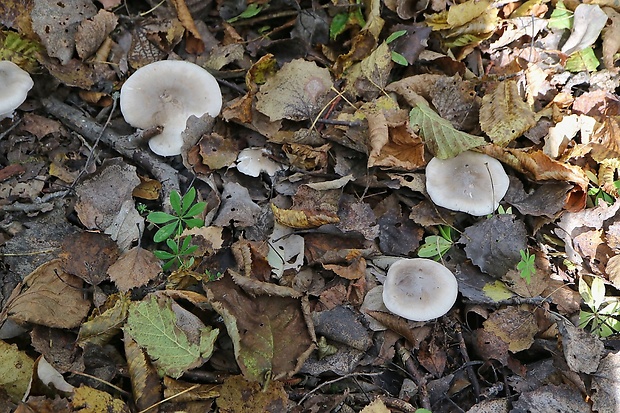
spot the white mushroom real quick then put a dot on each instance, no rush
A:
(166, 94)
(14, 86)
(419, 289)
(253, 161)
(470, 182)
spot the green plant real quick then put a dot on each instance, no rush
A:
(602, 313)
(436, 246)
(184, 216)
(252, 10)
(596, 193)
(397, 57)
(341, 22)
(526, 266)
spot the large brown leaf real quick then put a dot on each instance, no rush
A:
(271, 335)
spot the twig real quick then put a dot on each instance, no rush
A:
(89, 129)
(327, 383)
(469, 368)
(416, 375)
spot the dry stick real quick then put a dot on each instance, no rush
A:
(419, 379)
(91, 130)
(469, 368)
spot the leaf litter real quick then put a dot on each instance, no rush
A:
(309, 185)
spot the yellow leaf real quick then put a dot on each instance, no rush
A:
(300, 219)
(497, 291)
(504, 116)
(463, 13)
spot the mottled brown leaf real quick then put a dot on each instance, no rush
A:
(239, 395)
(88, 255)
(50, 297)
(515, 326)
(134, 268)
(145, 383)
(271, 335)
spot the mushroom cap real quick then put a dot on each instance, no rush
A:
(14, 86)
(419, 289)
(166, 94)
(470, 182)
(253, 161)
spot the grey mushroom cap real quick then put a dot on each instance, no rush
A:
(470, 182)
(419, 289)
(166, 94)
(14, 86)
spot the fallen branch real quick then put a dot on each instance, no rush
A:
(91, 131)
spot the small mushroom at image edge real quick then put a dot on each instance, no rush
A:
(14, 86)
(166, 94)
(470, 182)
(419, 289)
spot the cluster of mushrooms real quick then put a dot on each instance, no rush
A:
(154, 96)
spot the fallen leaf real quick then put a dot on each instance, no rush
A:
(440, 137)
(145, 383)
(88, 255)
(504, 116)
(606, 395)
(134, 268)
(100, 329)
(516, 326)
(89, 400)
(494, 244)
(239, 395)
(50, 297)
(270, 335)
(297, 91)
(154, 325)
(588, 21)
(301, 219)
(15, 371)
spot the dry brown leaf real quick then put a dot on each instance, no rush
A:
(240, 395)
(538, 166)
(408, 329)
(307, 157)
(92, 32)
(456, 100)
(515, 326)
(194, 43)
(145, 383)
(50, 297)
(301, 219)
(149, 189)
(605, 141)
(134, 268)
(611, 38)
(354, 271)
(88, 255)
(412, 87)
(504, 116)
(392, 143)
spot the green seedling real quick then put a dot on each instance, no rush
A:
(397, 57)
(184, 216)
(526, 266)
(596, 193)
(341, 22)
(251, 11)
(602, 311)
(436, 246)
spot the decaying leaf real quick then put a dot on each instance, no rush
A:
(134, 269)
(301, 219)
(15, 371)
(494, 244)
(50, 297)
(515, 326)
(99, 330)
(89, 400)
(239, 395)
(145, 383)
(271, 335)
(504, 116)
(297, 91)
(88, 255)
